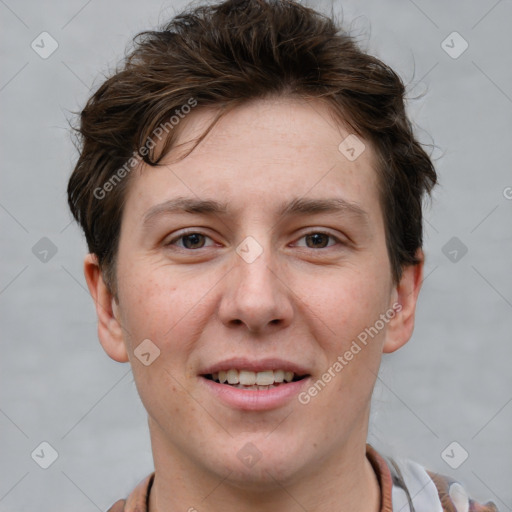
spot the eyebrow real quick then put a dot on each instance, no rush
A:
(296, 207)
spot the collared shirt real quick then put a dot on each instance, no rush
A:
(405, 486)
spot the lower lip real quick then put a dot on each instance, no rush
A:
(255, 399)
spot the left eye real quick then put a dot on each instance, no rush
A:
(318, 239)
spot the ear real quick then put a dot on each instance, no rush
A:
(405, 294)
(110, 332)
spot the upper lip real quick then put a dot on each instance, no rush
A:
(255, 365)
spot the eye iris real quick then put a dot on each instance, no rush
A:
(196, 239)
(315, 238)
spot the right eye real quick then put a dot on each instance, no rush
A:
(191, 240)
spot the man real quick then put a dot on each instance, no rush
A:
(251, 194)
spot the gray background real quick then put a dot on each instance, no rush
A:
(452, 382)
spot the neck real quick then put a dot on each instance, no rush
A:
(345, 481)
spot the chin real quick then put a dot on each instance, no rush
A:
(263, 476)
(268, 467)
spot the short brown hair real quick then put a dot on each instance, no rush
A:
(220, 56)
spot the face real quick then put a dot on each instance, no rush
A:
(260, 258)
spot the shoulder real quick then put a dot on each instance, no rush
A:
(418, 489)
(138, 499)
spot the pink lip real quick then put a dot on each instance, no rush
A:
(252, 399)
(241, 363)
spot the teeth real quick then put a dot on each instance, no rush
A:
(248, 378)
(278, 375)
(233, 377)
(252, 380)
(265, 378)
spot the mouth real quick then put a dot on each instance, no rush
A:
(251, 385)
(252, 380)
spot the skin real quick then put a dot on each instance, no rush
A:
(301, 300)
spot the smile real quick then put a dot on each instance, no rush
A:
(251, 380)
(254, 385)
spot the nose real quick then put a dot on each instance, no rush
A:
(256, 296)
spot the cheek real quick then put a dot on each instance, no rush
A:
(164, 396)
(159, 304)
(158, 309)
(352, 302)
(360, 335)
(149, 308)
(152, 301)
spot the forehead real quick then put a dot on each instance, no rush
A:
(261, 156)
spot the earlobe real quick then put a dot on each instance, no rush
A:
(401, 327)
(110, 331)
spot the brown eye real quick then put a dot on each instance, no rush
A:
(191, 241)
(318, 240)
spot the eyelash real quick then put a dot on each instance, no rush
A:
(315, 232)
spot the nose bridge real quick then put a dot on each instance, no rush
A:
(254, 293)
(255, 268)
